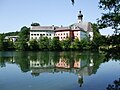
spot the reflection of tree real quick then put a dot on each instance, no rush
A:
(35, 74)
(75, 60)
(23, 61)
(98, 60)
(113, 53)
(80, 80)
(2, 62)
(114, 86)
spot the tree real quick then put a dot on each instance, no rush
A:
(35, 24)
(55, 44)
(43, 43)
(22, 43)
(96, 32)
(1, 42)
(12, 33)
(76, 44)
(73, 2)
(84, 44)
(8, 45)
(114, 86)
(66, 44)
(112, 16)
(33, 45)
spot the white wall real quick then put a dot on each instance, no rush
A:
(37, 35)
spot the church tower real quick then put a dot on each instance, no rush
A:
(80, 17)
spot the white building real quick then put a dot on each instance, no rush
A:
(78, 30)
(86, 29)
(41, 31)
(11, 38)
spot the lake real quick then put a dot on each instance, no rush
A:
(57, 71)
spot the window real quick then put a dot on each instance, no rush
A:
(31, 34)
(37, 34)
(31, 37)
(43, 34)
(40, 34)
(46, 34)
(50, 34)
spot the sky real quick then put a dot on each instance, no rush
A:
(15, 14)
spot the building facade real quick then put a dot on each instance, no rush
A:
(41, 31)
(80, 30)
(11, 38)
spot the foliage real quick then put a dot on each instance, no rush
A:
(8, 45)
(23, 61)
(1, 42)
(43, 43)
(11, 33)
(35, 24)
(76, 44)
(96, 32)
(111, 17)
(33, 45)
(55, 44)
(65, 44)
(22, 44)
(114, 86)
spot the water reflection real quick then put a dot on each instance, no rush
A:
(81, 64)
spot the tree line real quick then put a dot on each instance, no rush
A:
(44, 43)
(110, 18)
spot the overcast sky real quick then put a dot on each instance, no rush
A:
(15, 14)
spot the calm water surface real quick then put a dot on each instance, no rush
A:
(56, 71)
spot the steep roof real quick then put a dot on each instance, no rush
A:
(86, 26)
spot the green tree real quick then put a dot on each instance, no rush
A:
(96, 32)
(55, 44)
(1, 42)
(66, 44)
(111, 17)
(8, 45)
(33, 45)
(43, 43)
(22, 42)
(35, 24)
(76, 44)
(12, 33)
(84, 44)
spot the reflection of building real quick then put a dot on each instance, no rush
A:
(79, 67)
(78, 30)
(40, 64)
(64, 64)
